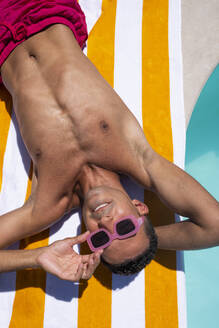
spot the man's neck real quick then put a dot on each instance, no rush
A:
(93, 176)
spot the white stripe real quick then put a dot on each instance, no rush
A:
(178, 128)
(12, 196)
(128, 301)
(176, 82)
(128, 294)
(181, 290)
(128, 55)
(92, 10)
(61, 303)
(15, 170)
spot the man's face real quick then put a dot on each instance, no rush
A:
(104, 205)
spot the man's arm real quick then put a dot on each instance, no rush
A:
(24, 221)
(11, 260)
(43, 208)
(15, 225)
(185, 196)
(58, 259)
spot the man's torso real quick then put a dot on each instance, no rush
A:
(68, 115)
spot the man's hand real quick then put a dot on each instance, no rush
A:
(61, 260)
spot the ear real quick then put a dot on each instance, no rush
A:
(141, 207)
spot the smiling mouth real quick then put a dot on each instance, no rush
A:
(101, 207)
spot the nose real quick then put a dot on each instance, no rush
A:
(106, 222)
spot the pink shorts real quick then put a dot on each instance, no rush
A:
(19, 19)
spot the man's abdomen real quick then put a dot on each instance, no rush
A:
(20, 19)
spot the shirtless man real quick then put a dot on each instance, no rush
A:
(75, 128)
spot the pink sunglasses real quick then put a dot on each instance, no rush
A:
(123, 228)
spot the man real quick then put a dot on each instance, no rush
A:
(75, 128)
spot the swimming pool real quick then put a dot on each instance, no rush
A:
(202, 162)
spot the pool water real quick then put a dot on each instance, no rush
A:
(202, 162)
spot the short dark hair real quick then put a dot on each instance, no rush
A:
(138, 263)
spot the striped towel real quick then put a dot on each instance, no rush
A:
(136, 46)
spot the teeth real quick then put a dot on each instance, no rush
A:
(100, 206)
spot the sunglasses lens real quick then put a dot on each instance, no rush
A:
(125, 226)
(99, 239)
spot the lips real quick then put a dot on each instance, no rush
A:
(96, 202)
(100, 207)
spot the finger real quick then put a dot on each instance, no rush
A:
(92, 264)
(99, 252)
(79, 239)
(85, 258)
(97, 259)
(79, 272)
(88, 271)
(95, 256)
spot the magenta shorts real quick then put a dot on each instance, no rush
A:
(19, 19)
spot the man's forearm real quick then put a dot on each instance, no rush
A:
(12, 260)
(23, 222)
(15, 225)
(185, 235)
(185, 196)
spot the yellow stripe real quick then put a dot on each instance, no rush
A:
(160, 276)
(95, 297)
(94, 308)
(29, 302)
(100, 48)
(5, 119)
